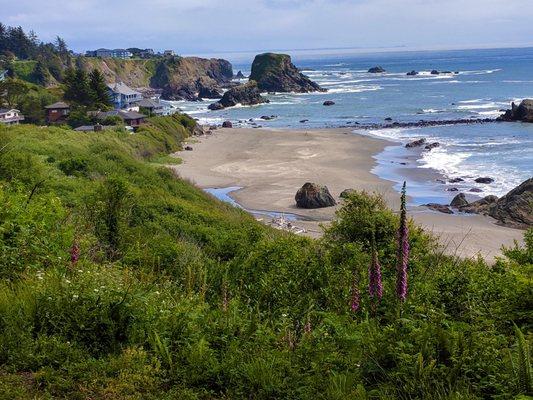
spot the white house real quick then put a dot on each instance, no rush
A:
(3, 74)
(123, 96)
(10, 116)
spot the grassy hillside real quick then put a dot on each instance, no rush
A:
(122, 281)
(135, 73)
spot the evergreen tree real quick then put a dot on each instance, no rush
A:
(77, 88)
(99, 90)
(40, 74)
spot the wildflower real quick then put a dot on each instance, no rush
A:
(74, 253)
(403, 251)
(375, 285)
(75, 297)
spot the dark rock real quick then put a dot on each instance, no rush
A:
(376, 70)
(481, 206)
(412, 73)
(208, 88)
(227, 124)
(311, 195)
(388, 119)
(459, 201)
(268, 117)
(188, 148)
(240, 75)
(276, 73)
(452, 189)
(216, 106)
(435, 72)
(439, 207)
(416, 143)
(522, 112)
(475, 190)
(515, 209)
(329, 103)
(432, 145)
(303, 121)
(440, 180)
(456, 180)
(246, 95)
(484, 180)
(446, 72)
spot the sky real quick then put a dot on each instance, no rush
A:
(218, 26)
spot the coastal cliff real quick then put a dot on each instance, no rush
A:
(276, 73)
(178, 77)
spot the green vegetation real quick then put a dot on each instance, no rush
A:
(267, 63)
(121, 281)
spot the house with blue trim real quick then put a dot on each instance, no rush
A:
(123, 96)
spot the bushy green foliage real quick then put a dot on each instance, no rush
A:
(176, 295)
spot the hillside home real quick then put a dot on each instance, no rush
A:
(57, 113)
(153, 106)
(123, 96)
(130, 118)
(10, 116)
(108, 53)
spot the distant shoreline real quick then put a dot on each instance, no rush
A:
(270, 165)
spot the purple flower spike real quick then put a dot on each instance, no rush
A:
(403, 251)
(375, 285)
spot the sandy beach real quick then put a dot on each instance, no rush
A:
(271, 165)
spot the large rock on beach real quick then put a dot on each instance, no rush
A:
(522, 112)
(416, 143)
(246, 95)
(515, 209)
(481, 206)
(276, 73)
(312, 195)
(459, 201)
(439, 207)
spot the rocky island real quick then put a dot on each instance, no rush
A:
(522, 112)
(246, 95)
(276, 73)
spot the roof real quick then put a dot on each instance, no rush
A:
(122, 88)
(59, 104)
(6, 110)
(149, 103)
(126, 115)
(90, 128)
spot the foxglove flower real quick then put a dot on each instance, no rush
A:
(403, 251)
(375, 285)
(74, 253)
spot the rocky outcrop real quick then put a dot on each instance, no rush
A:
(240, 75)
(522, 112)
(439, 207)
(481, 206)
(412, 73)
(329, 103)
(182, 78)
(376, 70)
(459, 201)
(515, 209)
(484, 179)
(276, 73)
(245, 95)
(311, 195)
(227, 124)
(416, 143)
(432, 146)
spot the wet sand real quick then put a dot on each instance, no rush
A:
(271, 165)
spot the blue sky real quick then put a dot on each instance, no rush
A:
(213, 26)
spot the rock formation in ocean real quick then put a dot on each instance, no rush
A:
(276, 73)
(240, 75)
(376, 70)
(416, 143)
(412, 73)
(522, 112)
(208, 88)
(245, 95)
(459, 201)
(311, 195)
(329, 103)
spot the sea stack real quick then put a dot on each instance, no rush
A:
(522, 112)
(246, 95)
(276, 73)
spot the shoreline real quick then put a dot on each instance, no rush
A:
(270, 165)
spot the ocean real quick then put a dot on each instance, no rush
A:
(480, 85)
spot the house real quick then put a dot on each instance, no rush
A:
(57, 113)
(153, 106)
(10, 116)
(3, 74)
(122, 95)
(130, 118)
(107, 53)
(167, 53)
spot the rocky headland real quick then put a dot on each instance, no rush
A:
(522, 112)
